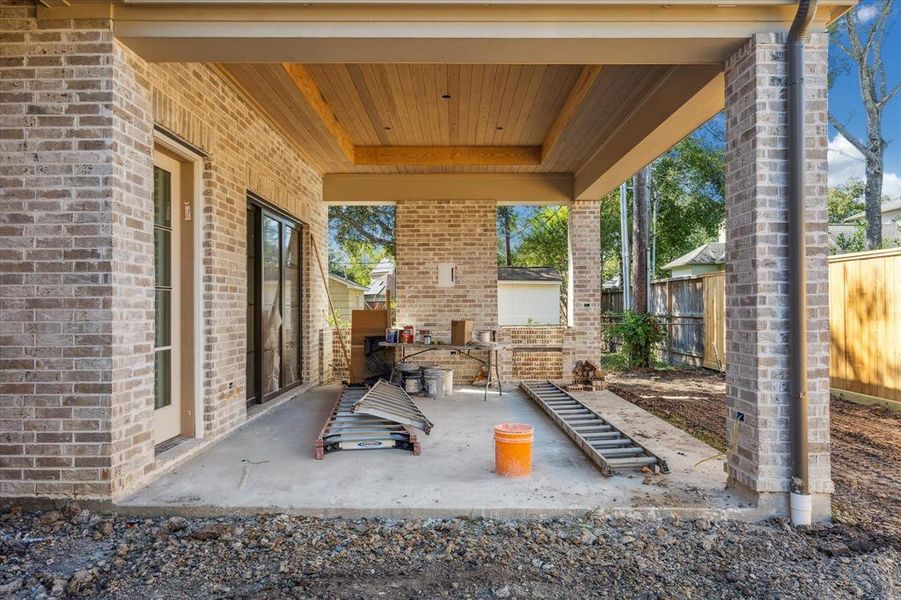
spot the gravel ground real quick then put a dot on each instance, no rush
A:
(866, 444)
(75, 553)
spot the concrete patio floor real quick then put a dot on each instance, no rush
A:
(268, 465)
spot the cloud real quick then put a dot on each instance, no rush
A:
(846, 163)
(866, 12)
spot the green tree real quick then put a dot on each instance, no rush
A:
(611, 257)
(507, 219)
(845, 200)
(359, 237)
(855, 242)
(355, 259)
(860, 42)
(372, 225)
(689, 187)
(544, 243)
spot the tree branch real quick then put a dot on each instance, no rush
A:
(851, 138)
(362, 230)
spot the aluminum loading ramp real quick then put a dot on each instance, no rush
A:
(393, 403)
(346, 430)
(605, 445)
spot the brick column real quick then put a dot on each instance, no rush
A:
(583, 339)
(77, 262)
(757, 323)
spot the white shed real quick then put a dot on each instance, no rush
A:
(528, 296)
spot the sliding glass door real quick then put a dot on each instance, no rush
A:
(273, 302)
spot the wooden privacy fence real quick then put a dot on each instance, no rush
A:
(681, 305)
(865, 324)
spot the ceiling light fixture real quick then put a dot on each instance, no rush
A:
(445, 96)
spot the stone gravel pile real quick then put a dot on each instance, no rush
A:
(73, 552)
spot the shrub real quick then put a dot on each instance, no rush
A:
(638, 333)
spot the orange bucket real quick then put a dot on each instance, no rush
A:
(513, 449)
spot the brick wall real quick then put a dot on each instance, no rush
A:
(59, 197)
(460, 232)
(244, 154)
(583, 340)
(757, 265)
(536, 353)
(77, 249)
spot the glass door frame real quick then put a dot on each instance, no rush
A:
(258, 209)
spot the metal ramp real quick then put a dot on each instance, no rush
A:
(391, 402)
(346, 430)
(605, 445)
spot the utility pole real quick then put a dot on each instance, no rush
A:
(624, 247)
(641, 192)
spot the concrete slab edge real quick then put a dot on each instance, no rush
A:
(748, 514)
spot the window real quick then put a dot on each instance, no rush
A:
(274, 258)
(162, 247)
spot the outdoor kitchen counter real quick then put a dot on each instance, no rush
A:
(492, 348)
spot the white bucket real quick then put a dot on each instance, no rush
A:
(801, 509)
(432, 384)
(447, 383)
(413, 385)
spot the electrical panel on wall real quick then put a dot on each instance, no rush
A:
(447, 275)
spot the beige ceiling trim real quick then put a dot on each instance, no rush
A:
(600, 174)
(525, 188)
(577, 95)
(447, 155)
(304, 81)
(712, 11)
(627, 32)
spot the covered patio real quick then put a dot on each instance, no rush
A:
(268, 466)
(186, 153)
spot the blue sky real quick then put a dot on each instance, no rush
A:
(846, 105)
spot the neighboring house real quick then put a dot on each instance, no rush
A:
(381, 281)
(891, 225)
(708, 258)
(346, 295)
(528, 296)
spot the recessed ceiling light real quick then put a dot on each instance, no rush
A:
(499, 128)
(445, 96)
(387, 128)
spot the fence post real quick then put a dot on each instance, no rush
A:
(669, 322)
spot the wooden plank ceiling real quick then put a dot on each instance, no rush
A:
(435, 118)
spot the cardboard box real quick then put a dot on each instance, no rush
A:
(461, 332)
(366, 323)
(357, 364)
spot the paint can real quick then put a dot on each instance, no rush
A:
(432, 382)
(413, 383)
(447, 383)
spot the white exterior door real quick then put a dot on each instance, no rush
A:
(166, 347)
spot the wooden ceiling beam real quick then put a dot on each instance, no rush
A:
(577, 95)
(306, 84)
(447, 155)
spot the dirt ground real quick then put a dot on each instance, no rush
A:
(866, 444)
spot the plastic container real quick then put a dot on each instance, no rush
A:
(412, 384)
(801, 508)
(432, 382)
(447, 383)
(513, 449)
